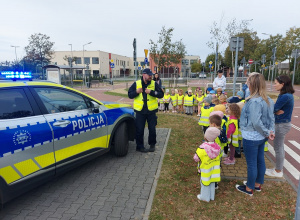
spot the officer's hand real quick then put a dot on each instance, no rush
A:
(139, 90)
(148, 91)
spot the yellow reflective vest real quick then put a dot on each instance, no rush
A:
(139, 101)
(166, 98)
(188, 100)
(235, 136)
(210, 168)
(174, 100)
(204, 118)
(180, 99)
(195, 99)
(200, 99)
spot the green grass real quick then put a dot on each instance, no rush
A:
(178, 184)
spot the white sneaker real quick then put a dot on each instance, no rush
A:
(198, 115)
(224, 155)
(273, 173)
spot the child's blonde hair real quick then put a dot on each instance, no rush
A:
(223, 98)
(215, 101)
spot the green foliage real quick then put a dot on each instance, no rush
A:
(164, 52)
(196, 67)
(211, 57)
(40, 48)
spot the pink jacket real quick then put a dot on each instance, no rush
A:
(211, 148)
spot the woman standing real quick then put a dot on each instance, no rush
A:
(257, 125)
(157, 79)
(283, 110)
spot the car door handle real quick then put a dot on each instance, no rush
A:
(62, 123)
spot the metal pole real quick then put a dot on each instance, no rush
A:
(296, 56)
(269, 72)
(236, 61)
(255, 66)
(272, 74)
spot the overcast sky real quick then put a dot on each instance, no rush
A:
(112, 25)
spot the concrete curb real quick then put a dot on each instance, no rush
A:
(152, 193)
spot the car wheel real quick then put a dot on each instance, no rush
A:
(121, 141)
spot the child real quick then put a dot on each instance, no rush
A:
(180, 101)
(205, 112)
(161, 102)
(219, 92)
(188, 102)
(174, 100)
(208, 154)
(223, 99)
(195, 104)
(207, 91)
(166, 101)
(222, 108)
(200, 98)
(216, 120)
(240, 94)
(234, 113)
(215, 101)
(239, 149)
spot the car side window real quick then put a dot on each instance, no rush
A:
(60, 100)
(14, 104)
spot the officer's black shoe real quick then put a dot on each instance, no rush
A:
(143, 150)
(152, 148)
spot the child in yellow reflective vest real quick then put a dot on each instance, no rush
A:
(219, 92)
(234, 113)
(173, 100)
(205, 112)
(208, 155)
(180, 101)
(195, 104)
(200, 98)
(188, 102)
(166, 100)
(161, 102)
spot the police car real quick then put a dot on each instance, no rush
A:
(47, 129)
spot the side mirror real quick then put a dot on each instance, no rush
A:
(95, 107)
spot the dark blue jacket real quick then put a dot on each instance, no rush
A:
(284, 102)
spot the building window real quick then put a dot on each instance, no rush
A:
(87, 60)
(185, 62)
(127, 63)
(95, 60)
(193, 61)
(78, 60)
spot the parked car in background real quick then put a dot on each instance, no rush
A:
(202, 75)
(193, 75)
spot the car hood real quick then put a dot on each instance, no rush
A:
(116, 105)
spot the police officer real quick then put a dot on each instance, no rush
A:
(145, 93)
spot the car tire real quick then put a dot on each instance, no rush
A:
(121, 141)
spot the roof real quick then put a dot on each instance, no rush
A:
(63, 67)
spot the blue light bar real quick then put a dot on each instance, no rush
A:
(14, 75)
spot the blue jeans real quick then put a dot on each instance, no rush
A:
(256, 167)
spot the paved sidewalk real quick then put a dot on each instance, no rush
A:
(108, 187)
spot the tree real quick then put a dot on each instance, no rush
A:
(165, 53)
(196, 67)
(39, 49)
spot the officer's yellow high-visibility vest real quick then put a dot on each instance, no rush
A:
(180, 98)
(210, 168)
(174, 100)
(235, 136)
(204, 118)
(139, 101)
(188, 100)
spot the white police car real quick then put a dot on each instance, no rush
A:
(47, 129)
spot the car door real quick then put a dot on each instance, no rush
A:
(78, 132)
(26, 148)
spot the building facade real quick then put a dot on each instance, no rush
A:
(97, 64)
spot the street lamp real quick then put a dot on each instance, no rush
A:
(15, 52)
(83, 58)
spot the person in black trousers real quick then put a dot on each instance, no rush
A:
(144, 92)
